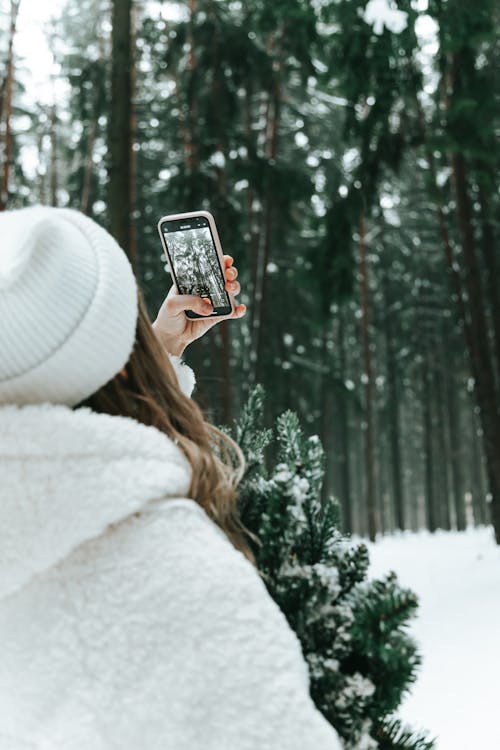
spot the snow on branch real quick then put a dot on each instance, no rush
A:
(380, 13)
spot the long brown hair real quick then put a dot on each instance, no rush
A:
(150, 393)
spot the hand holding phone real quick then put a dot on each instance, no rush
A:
(175, 331)
(193, 249)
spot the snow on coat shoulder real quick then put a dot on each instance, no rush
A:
(127, 618)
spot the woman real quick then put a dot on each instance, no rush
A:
(132, 615)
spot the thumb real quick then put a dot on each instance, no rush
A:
(180, 302)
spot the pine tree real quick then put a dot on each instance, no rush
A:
(297, 124)
(352, 630)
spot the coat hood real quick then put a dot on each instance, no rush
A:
(65, 475)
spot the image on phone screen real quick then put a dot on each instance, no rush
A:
(194, 260)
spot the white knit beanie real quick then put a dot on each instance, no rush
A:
(68, 306)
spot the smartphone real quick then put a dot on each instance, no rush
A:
(194, 252)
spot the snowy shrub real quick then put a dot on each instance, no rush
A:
(352, 630)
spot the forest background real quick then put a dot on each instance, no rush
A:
(349, 153)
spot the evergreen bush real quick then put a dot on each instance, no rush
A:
(353, 630)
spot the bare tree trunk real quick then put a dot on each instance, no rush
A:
(382, 485)
(221, 201)
(261, 281)
(6, 110)
(443, 448)
(7, 78)
(324, 388)
(253, 230)
(478, 489)
(120, 118)
(430, 503)
(471, 344)
(483, 371)
(359, 510)
(53, 156)
(454, 437)
(133, 141)
(88, 169)
(326, 424)
(469, 305)
(411, 436)
(491, 265)
(41, 176)
(189, 130)
(344, 449)
(88, 165)
(373, 520)
(225, 359)
(393, 414)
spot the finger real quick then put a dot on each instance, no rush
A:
(233, 287)
(228, 260)
(239, 311)
(180, 302)
(231, 273)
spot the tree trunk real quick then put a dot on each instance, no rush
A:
(393, 414)
(411, 422)
(224, 328)
(382, 471)
(189, 129)
(471, 310)
(325, 410)
(343, 452)
(373, 521)
(53, 156)
(41, 176)
(471, 313)
(455, 439)
(481, 356)
(133, 142)
(443, 449)
(88, 169)
(253, 230)
(491, 266)
(260, 301)
(120, 119)
(478, 489)
(430, 504)
(6, 110)
(9, 58)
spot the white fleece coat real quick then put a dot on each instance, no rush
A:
(127, 618)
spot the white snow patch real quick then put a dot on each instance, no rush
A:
(218, 160)
(380, 13)
(301, 139)
(457, 579)
(241, 185)
(282, 473)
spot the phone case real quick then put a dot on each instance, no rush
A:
(218, 248)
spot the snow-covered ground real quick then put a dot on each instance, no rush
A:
(457, 579)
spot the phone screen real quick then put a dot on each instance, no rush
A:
(194, 262)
